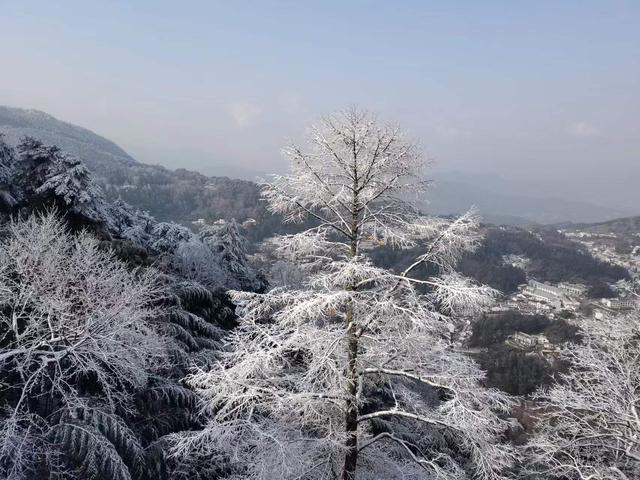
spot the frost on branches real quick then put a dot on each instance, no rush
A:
(38, 177)
(351, 373)
(76, 337)
(7, 164)
(589, 420)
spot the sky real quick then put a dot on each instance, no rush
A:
(544, 94)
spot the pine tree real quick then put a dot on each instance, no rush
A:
(44, 175)
(225, 241)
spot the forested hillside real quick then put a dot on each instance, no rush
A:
(181, 195)
(103, 310)
(548, 256)
(618, 226)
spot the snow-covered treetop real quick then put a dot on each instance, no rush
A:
(69, 311)
(169, 236)
(589, 423)
(7, 165)
(225, 238)
(352, 158)
(43, 173)
(131, 223)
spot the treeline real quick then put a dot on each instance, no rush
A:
(182, 195)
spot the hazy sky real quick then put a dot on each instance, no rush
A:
(530, 89)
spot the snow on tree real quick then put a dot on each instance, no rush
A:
(86, 390)
(224, 239)
(169, 236)
(77, 336)
(588, 421)
(131, 223)
(279, 272)
(45, 172)
(7, 162)
(216, 257)
(7, 165)
(352, 374)
(43, 176)
(196, 261)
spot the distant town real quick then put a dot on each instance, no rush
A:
(571, 300)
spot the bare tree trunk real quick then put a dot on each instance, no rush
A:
(351, 415)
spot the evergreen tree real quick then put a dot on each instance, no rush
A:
(225, 240)
(46, 175)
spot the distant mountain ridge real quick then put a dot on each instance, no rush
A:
(93, 149)
(177, 195)
(184, 196)
(499, 202)
(620, 226)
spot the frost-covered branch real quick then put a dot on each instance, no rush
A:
(589, 426)
(73, 320)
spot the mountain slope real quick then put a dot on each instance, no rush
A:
(94, 150)
(619, 226)
(179, 195)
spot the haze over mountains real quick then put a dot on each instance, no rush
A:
(192, 195)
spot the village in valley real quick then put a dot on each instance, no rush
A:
(565, 300)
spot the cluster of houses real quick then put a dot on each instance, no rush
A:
(538, 297)
(613, 306)
(201, 222)
(541, 298)
(564, 296)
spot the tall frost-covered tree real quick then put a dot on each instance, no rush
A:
(589, 421)
(224, 238)
(352, 374)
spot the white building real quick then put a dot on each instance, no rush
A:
(524, 340)
(575, 289)
(547, 289)
(620, 303)
(559, 297)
